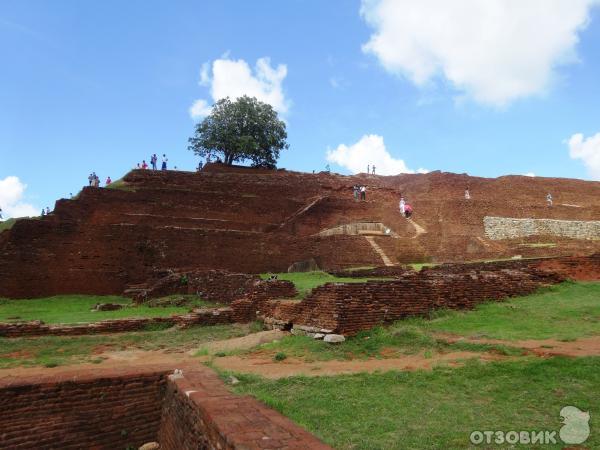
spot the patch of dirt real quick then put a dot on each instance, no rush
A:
(268, 368)
(242, 343)
(589, 346)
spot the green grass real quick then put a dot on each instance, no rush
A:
(120, 185)
(7, 224)
(419, 266)
(77, 308)
(306, 281)
(434, 409)
(565, 312)
(59, 350)
(401, 338)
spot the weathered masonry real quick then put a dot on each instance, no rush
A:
(497, 228)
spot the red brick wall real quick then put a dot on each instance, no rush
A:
(199, 412)
(209, 316)
(103, 413)
(212, 285)
(349, 308)
(122, 408)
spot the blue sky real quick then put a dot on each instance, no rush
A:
(487, 88)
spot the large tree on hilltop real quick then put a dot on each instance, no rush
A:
(244, 129)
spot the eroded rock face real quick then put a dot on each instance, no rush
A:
(258, 221)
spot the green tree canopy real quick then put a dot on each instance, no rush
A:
(244, 129)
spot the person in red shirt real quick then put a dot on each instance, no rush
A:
(144, 165)
(108, 181)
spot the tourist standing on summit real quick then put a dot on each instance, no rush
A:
(153, 161)
(108, 181)
(368, 169)
(164, 162)
(373, 169)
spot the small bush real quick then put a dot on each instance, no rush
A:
(280, 356)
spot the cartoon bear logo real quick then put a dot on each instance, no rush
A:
(576, 429)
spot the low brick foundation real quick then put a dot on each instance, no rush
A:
(348, 308)
(122, 408)
(212, 285)
(203, 316)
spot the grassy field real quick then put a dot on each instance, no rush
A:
(440, 408)
(306, 281)
(53, 351)
(563, 312)
(436, 409)
(77, 308)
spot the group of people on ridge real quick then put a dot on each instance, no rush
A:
(154, 163)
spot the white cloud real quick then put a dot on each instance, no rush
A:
(369, 150)
(588, 150)
(234, 78)
(12, 191)
(529, 174)
(492, 51)
(199, 109)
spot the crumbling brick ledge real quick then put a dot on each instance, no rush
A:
(127, 407)
(201, 316)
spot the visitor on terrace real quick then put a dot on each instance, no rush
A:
(373, 169)
(402, 205)
(408, 211)
(467, 193)
(164, 162)
(47, 210)
(549, 199)
(363, 193)
(144, 165)
(153, 161)
(368, 169)
(108, 181)
(90, 179)
(199, 168)
(355, 191)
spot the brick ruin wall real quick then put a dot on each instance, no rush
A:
(498, 228)
(104, 413)
(125, 409)
(211, 285)
(349, 308)
(201, 316)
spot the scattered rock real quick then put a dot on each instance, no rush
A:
(318, 336)
(106, 307)
(334, 338)
(232, 380)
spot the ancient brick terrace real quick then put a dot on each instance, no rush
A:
(254, 221)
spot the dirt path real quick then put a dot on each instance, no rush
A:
(386, 260)
(264, 365)
(418, 228)
(589, 346)
(241, 343)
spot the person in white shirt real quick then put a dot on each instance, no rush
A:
(549, 199)
(164, 162)
(402, 203)
(467, 194)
